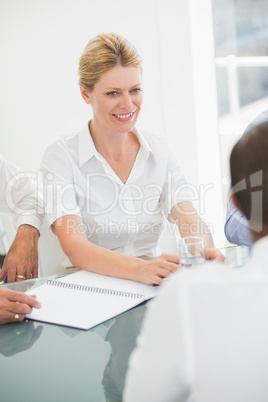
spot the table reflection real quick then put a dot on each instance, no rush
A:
(122, 338)
(17, 337)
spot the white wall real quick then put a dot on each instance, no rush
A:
(190, 102)
(41, 42)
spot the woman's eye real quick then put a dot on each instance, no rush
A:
(136, 90)
(113, 93)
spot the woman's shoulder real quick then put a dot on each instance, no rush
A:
(64, 149)
(155, 140)
(67, 143)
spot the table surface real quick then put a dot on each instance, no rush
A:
(45, 362)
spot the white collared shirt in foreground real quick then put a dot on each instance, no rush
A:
(205, 337)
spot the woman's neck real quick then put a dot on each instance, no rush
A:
(118, 149)
(112, 144)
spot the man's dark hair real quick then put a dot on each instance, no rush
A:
(249, 174)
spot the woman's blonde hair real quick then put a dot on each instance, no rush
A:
(102, 53)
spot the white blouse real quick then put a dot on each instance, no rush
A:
(124, 217)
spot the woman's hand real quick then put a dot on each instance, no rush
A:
(154, 271)
(214, 254)
(15, 305)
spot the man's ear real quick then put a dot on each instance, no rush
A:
(85, 95)
(234, 201)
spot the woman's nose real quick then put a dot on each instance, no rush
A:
(126, 102)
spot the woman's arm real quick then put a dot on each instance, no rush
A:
(190, 224)
(86, 255)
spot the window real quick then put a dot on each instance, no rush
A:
(241, 50)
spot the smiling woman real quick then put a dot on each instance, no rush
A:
(116, 101)
(108, 187)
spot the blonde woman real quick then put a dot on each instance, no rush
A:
(109, 186)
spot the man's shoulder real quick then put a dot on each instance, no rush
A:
(209, 272)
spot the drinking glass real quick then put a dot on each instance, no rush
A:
(191, 251)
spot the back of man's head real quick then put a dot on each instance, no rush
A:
(249, 177)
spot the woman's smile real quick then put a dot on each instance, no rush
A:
(125, 117)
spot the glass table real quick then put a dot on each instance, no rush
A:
(45, 362)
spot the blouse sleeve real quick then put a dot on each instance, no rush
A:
(59, 189)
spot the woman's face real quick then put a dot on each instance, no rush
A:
(116, 99)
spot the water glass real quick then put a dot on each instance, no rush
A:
(191, 251)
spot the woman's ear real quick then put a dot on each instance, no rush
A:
(85, 95)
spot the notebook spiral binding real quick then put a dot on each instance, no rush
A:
(94, 289)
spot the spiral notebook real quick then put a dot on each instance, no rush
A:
(85, 299)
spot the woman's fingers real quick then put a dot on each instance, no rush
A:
(155, 270)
